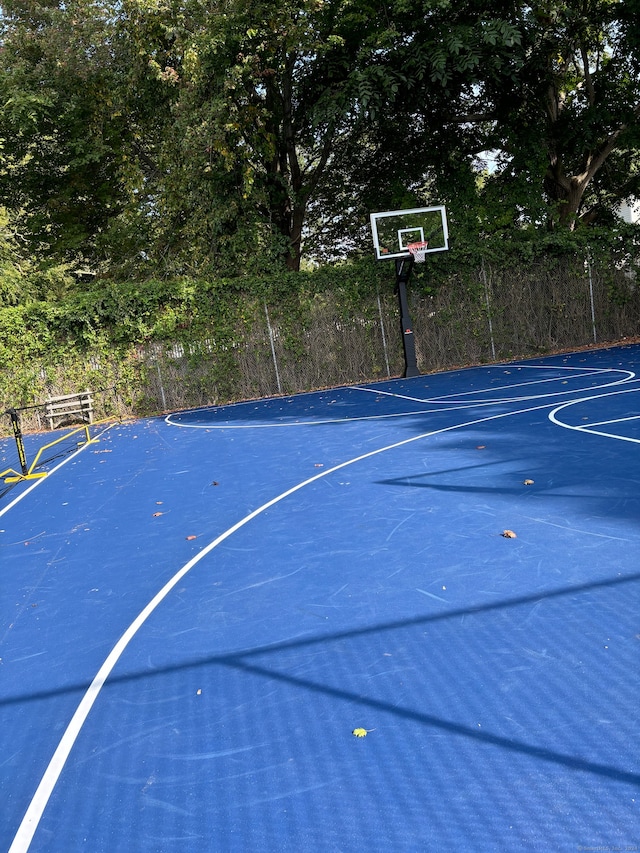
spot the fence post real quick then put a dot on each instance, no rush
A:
(588, 265)
(273, 348)
(488, 302)
(156, 350)
(384, 337)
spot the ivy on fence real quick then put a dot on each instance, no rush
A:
(159, 345)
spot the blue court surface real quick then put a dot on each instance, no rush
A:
(297, 624)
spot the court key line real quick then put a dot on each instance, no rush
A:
(33, 815)
(453, 405)
(587, 427)
(449, 398)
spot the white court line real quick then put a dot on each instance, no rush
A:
(587, 427)
(39, 482)
(271, 425)
(448, 398)
(458, 405)
(611, 435)
(31, 820)
(582, 428)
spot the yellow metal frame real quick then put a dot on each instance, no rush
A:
(31, 475)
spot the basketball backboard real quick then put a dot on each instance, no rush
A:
(394, 230)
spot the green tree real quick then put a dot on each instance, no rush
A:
(177, 137)
(553, 89)
(12, 272)
(74, 131)
(189, 135)
(511, 113)
(266, 93)
(21, 278)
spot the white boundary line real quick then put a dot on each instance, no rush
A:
(31, 820)
(273, 425)
(585, 372)
(587, 427)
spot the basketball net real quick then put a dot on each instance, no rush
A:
(418, 250)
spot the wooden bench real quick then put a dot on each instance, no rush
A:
(69, 409)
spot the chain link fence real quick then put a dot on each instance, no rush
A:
(493, 315)
(489, 315)
(503, 314)
(328, 347)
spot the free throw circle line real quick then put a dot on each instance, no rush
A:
(553, 417)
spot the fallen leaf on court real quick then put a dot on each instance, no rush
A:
(528, 482)
(509, 534)
(191, 537)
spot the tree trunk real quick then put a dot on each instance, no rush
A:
(287, 220)
(567, 192)
(295, 236)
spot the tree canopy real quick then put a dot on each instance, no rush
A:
(198, 136)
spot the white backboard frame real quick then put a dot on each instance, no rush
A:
(412, 232)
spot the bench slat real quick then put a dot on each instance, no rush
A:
(69, 404)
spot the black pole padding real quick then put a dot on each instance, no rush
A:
(403, 273)
(17, 433)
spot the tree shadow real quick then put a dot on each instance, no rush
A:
(244, 661)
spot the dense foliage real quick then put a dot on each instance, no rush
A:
(145, 347)
(174, 137)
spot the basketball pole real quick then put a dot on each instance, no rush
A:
(403, 274)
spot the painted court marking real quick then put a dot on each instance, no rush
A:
(31, 820)
(446, 399)
(553, 417)
(585, 371)
(461, 396)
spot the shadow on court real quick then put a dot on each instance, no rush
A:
(242, 663)
(271, 589)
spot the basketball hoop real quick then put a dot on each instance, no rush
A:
(418, 250)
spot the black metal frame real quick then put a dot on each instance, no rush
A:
(17, 434)
(404, 267)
